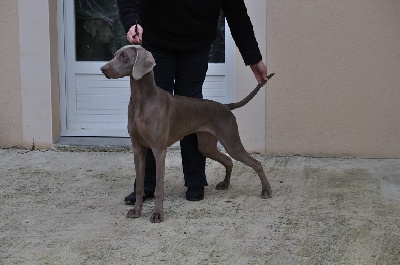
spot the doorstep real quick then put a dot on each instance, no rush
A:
(111, 144)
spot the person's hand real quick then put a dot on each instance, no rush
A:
(132, 36)
(260, 71)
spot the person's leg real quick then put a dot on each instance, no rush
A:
(190, 75)
(164, 75)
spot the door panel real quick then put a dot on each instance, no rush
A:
(94, 105)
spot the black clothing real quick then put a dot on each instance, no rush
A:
(190, 25)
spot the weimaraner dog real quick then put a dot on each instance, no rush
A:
(157, 119)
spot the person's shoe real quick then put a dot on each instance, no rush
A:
(195, 193)
(131, 198)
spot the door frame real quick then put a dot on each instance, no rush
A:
(66, 32)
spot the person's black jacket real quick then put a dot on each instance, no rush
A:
(190, 24)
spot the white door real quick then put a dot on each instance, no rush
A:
(91, 105)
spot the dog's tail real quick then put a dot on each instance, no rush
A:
(246, 100)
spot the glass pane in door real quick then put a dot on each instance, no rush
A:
(217, 52)
(99, 33)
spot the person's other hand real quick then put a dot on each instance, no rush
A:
(260, 71)
(134, 38)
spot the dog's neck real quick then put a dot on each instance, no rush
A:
(144, 87)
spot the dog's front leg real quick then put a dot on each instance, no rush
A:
(158, 212)
(139, 153)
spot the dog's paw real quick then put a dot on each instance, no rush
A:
(156, 218)
(222, 186)
(133, 213)
(267, 193)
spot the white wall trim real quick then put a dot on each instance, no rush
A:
(229, 65)
(62, 63)
(251, 118)
(34, 34)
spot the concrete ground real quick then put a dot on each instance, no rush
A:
(60, 207)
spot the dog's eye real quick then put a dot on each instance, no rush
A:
(123, 55)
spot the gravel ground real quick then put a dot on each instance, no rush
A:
(62, 207)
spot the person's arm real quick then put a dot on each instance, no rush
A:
(128, 13)
(129, 16)
(243, 34)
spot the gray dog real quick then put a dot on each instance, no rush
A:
(157, 119)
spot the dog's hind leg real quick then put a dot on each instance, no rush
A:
(235, 149)
(207, 144)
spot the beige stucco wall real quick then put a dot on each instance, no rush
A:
(38, 110)
(335, 92)
(337, 87)
(29, 105)
(10, 99)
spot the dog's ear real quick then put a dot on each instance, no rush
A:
(144, 63)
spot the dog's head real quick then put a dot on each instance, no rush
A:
(129, 60)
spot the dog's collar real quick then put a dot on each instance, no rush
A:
(134, 63)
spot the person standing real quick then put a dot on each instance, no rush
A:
(179, 34)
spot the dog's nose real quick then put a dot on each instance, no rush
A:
(104, 68)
